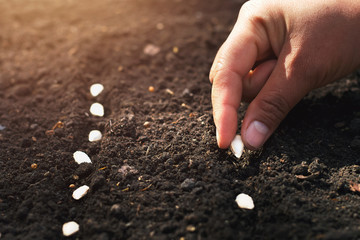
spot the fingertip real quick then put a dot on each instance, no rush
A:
(224, 139)
(226, 125)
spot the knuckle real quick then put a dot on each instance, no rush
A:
(303, 65)
(248, 8)
(275, 107)
(252, 10)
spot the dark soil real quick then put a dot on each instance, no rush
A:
(174, 182)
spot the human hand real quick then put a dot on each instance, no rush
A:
(296, 46)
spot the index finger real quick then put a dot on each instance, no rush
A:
(232, 63)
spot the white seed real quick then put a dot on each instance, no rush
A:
(237, 146)
(97, 109)
(80, 192)
(244, 201)
(81, 157)
(95, 135)
(96, 89)
(70, 228)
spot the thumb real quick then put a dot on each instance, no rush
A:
(283, 90)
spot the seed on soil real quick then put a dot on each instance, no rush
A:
(34, 166)
(97, 109)
(175, 49)
(120, 68)
(95, 135)
(96, 89)
(70, 228)
(72, 185)
(151, 89)
(146, 124)
(80, 192)
(81, 157)
(244, 201)
(237, 146)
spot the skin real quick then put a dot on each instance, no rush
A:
(277, 52)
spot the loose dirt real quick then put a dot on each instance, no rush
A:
(165, 179)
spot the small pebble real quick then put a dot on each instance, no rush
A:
(96, 89)
(80, 192)
(97, 181)
(84, 170)
(33, 126)
(95, 135)
(244, 201)
(70, 228)
(151, 50)
(151, 89)
(116, 210)
(315, 166)
(237, 146)
(81, 157)
(187, 184)
(191, 228)
(146, 124)
(97, 109)
(2, 127)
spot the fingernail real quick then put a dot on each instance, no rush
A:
(217, 137)
(256, 134)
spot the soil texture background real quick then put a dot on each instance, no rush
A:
(165, 179)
